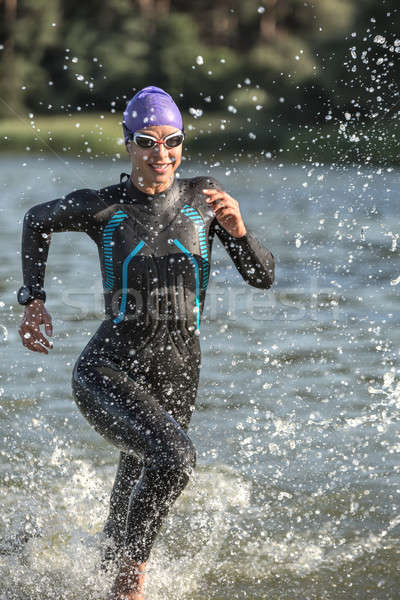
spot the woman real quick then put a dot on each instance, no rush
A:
(136, 380)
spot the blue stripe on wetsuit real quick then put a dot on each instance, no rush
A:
(108, 231)
(125, 265)
(197, 219)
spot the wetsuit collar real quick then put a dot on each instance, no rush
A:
(148, 199)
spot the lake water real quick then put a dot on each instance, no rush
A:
(296, 492)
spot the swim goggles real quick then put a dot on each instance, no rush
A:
(148, 141)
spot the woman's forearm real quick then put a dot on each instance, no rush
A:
(254, 262)
(35, 249)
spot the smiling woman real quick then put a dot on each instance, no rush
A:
(157, 153)
(136, 380)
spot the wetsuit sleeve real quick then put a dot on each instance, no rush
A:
(72, 213)
(254, 262)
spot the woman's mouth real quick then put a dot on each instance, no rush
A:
(160, 167)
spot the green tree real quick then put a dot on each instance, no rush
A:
(27, 29)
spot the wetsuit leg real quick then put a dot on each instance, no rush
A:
(132, 418)
(181, 406)
(128, 473)
(130, 467)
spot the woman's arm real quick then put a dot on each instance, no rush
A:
(72, 213)
(254, 262)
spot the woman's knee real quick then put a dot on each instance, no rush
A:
(180, 459)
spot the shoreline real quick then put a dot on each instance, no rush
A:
(96, 135)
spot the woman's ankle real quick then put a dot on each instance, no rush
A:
(128, 584)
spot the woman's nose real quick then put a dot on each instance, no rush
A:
(161, 149)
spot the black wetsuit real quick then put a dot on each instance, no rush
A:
(136, 380)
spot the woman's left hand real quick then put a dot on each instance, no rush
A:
(226, 210)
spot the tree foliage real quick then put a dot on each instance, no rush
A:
(296, 57)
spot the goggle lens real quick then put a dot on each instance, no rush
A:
(144, 142)
(174, 141)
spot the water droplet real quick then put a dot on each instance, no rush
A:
(379, 39)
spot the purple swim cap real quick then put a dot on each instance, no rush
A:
(150, 106)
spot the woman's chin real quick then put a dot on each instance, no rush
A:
(161, 177)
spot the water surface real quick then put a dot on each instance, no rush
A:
(296, 490)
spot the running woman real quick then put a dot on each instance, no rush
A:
(136, 380)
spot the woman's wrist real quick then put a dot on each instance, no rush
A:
(242, 233)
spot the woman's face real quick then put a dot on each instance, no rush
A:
(154, 167)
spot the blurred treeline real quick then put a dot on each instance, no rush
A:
(294, 60)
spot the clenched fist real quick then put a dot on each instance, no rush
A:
(226, 210)
(35, 314)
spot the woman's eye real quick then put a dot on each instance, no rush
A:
(145, 142)
(174, 141)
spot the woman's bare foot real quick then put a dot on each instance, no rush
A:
(128, 584)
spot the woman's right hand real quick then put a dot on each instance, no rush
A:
(35, 314)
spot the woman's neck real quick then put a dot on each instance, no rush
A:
(151, 188)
